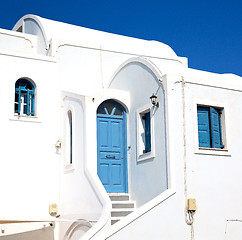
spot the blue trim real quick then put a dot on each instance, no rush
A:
(220, 129)
(28, 103)
(106, 150)
(105, 109)
(108, 116)
(19, 100)
(114, 109)
(209, 127)
(203, 127)
(23, 86)
(33, 104)
(125, 151)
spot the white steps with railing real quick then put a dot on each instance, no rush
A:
(121, 206)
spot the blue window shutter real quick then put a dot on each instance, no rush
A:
(147, 133)
(215, 122)
(203, 127)
(24, 91)
(28, 102)
(32, 103)
(220, 129)
(16, 109)
(19, 100)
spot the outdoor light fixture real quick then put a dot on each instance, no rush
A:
(154, 101)
(58, 144)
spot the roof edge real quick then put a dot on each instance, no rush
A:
(37, 19)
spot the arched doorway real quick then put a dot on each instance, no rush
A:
(111, 146)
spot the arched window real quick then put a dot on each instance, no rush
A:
(69, 138)
(24, 98)
(110, 107)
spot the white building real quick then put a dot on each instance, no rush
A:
(78, 125)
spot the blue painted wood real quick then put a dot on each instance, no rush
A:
(28, 102)
(33, 103)
(220, 129)
(215, 123)
(114, 109)
(25, 89)
(209, 127)
(19, 100)
(111, 151)
(203, 127)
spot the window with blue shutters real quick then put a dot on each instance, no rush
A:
(24, 98)
(209, 127)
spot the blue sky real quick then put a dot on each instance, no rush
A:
(208, 32)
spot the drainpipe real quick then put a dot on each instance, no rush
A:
(101, 66)
(189, 215)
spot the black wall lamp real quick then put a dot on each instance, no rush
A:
(154, 101)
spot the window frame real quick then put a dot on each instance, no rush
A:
(141, 155)
(30, 99)
(211, 125)
(69, 139)
(226, 151)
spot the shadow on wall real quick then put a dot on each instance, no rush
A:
(45, 233)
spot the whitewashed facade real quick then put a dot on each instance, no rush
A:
(49, 154)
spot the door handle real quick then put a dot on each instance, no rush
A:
(110, 156)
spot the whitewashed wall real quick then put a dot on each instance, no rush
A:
(214, 177)
(141, 83)
(29, 162)
(78, 199)
(33, 173)
(14, 43)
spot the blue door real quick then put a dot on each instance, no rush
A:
(111, 146)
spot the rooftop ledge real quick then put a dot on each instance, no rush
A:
(69, 34)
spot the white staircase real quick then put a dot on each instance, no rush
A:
(121, 206)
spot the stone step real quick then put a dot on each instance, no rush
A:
(123, 204)
(119, 197)
(113, 221)
(120, 212)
